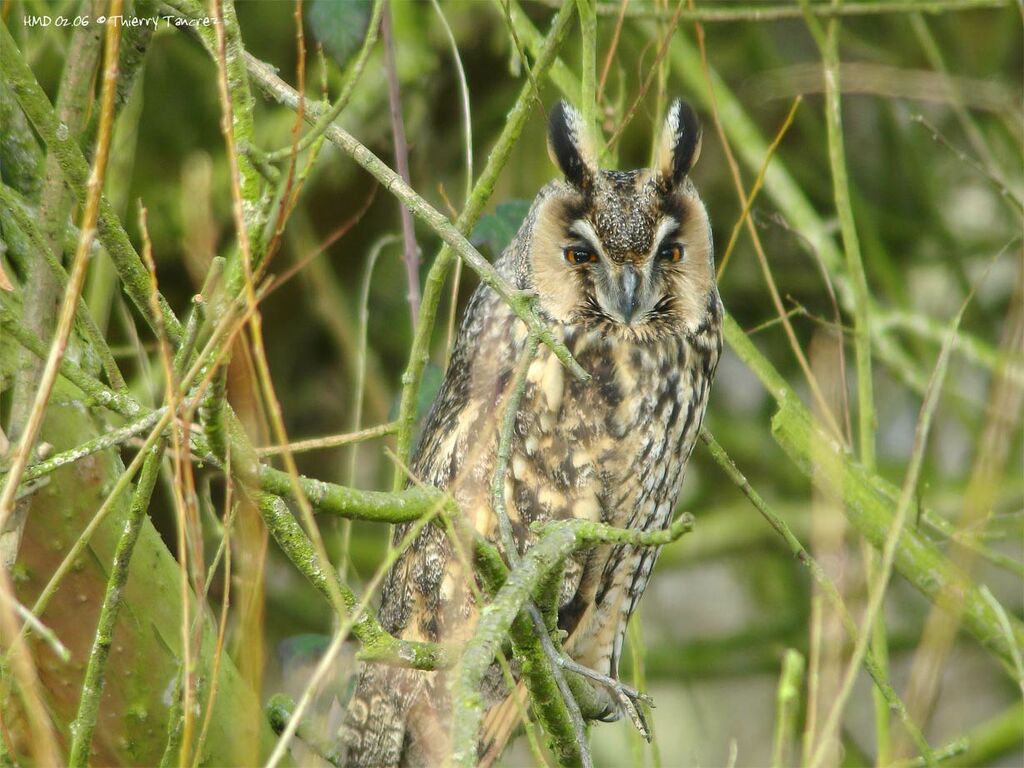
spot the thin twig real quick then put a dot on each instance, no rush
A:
(862, 321)
(521, 303)
(552, 713)
(467, 129)
(359, 389)
(1005, 191)
(663, 46)
(588, 63)
(762, 258)
(351, 79)
(508, 422)
(90, 330)
(75, 282)
(826, 584)
(42, 631)
(612, 47)
(787, 706)
(877, 588)
(410, 250)
(26, 675)
(77, 174)
(556, 540)
(273, 508)
(434, 284)
(330, 441)
(92, 687)
(758, 181)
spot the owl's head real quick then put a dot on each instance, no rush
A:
(628, 251)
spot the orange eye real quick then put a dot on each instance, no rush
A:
(672, 252)
(576, 255)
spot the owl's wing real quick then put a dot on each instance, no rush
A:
(454, 452)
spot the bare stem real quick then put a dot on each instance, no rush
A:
(410, 250)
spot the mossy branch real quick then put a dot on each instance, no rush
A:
(89, 330)
(329, 498)
(95, 390)
(916, 559)
(377, 645)
(587, 532)
(558, 539)
(92, 687)
(492, 628)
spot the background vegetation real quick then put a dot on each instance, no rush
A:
(862, 167)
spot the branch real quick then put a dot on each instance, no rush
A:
(495, 621)
(587, 532)
(868, 508)
(38, 242)
(377, 645)
(92, 687)
(404, 506)
(410, 250)
(558, 539)
(551, 697)
(76, 279)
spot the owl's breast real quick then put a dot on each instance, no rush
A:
(611, 449)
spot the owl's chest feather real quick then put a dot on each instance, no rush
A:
(611, 449)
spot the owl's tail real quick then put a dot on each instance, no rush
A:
(373, 733)
(392, 720)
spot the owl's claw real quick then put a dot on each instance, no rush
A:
(626, 696)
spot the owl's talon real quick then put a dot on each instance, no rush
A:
(625, 695)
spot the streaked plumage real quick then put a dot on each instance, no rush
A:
(623, 269)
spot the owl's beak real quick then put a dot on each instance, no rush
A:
(629, 294)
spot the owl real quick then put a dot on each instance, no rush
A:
(621, 265)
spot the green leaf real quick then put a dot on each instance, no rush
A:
(496, 230)
(340, 26)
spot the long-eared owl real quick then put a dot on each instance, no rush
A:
(622, 268)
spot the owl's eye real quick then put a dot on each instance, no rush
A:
(672, 252)
(577, 255)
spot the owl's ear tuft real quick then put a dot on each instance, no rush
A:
(680, 143)
(569, 147)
